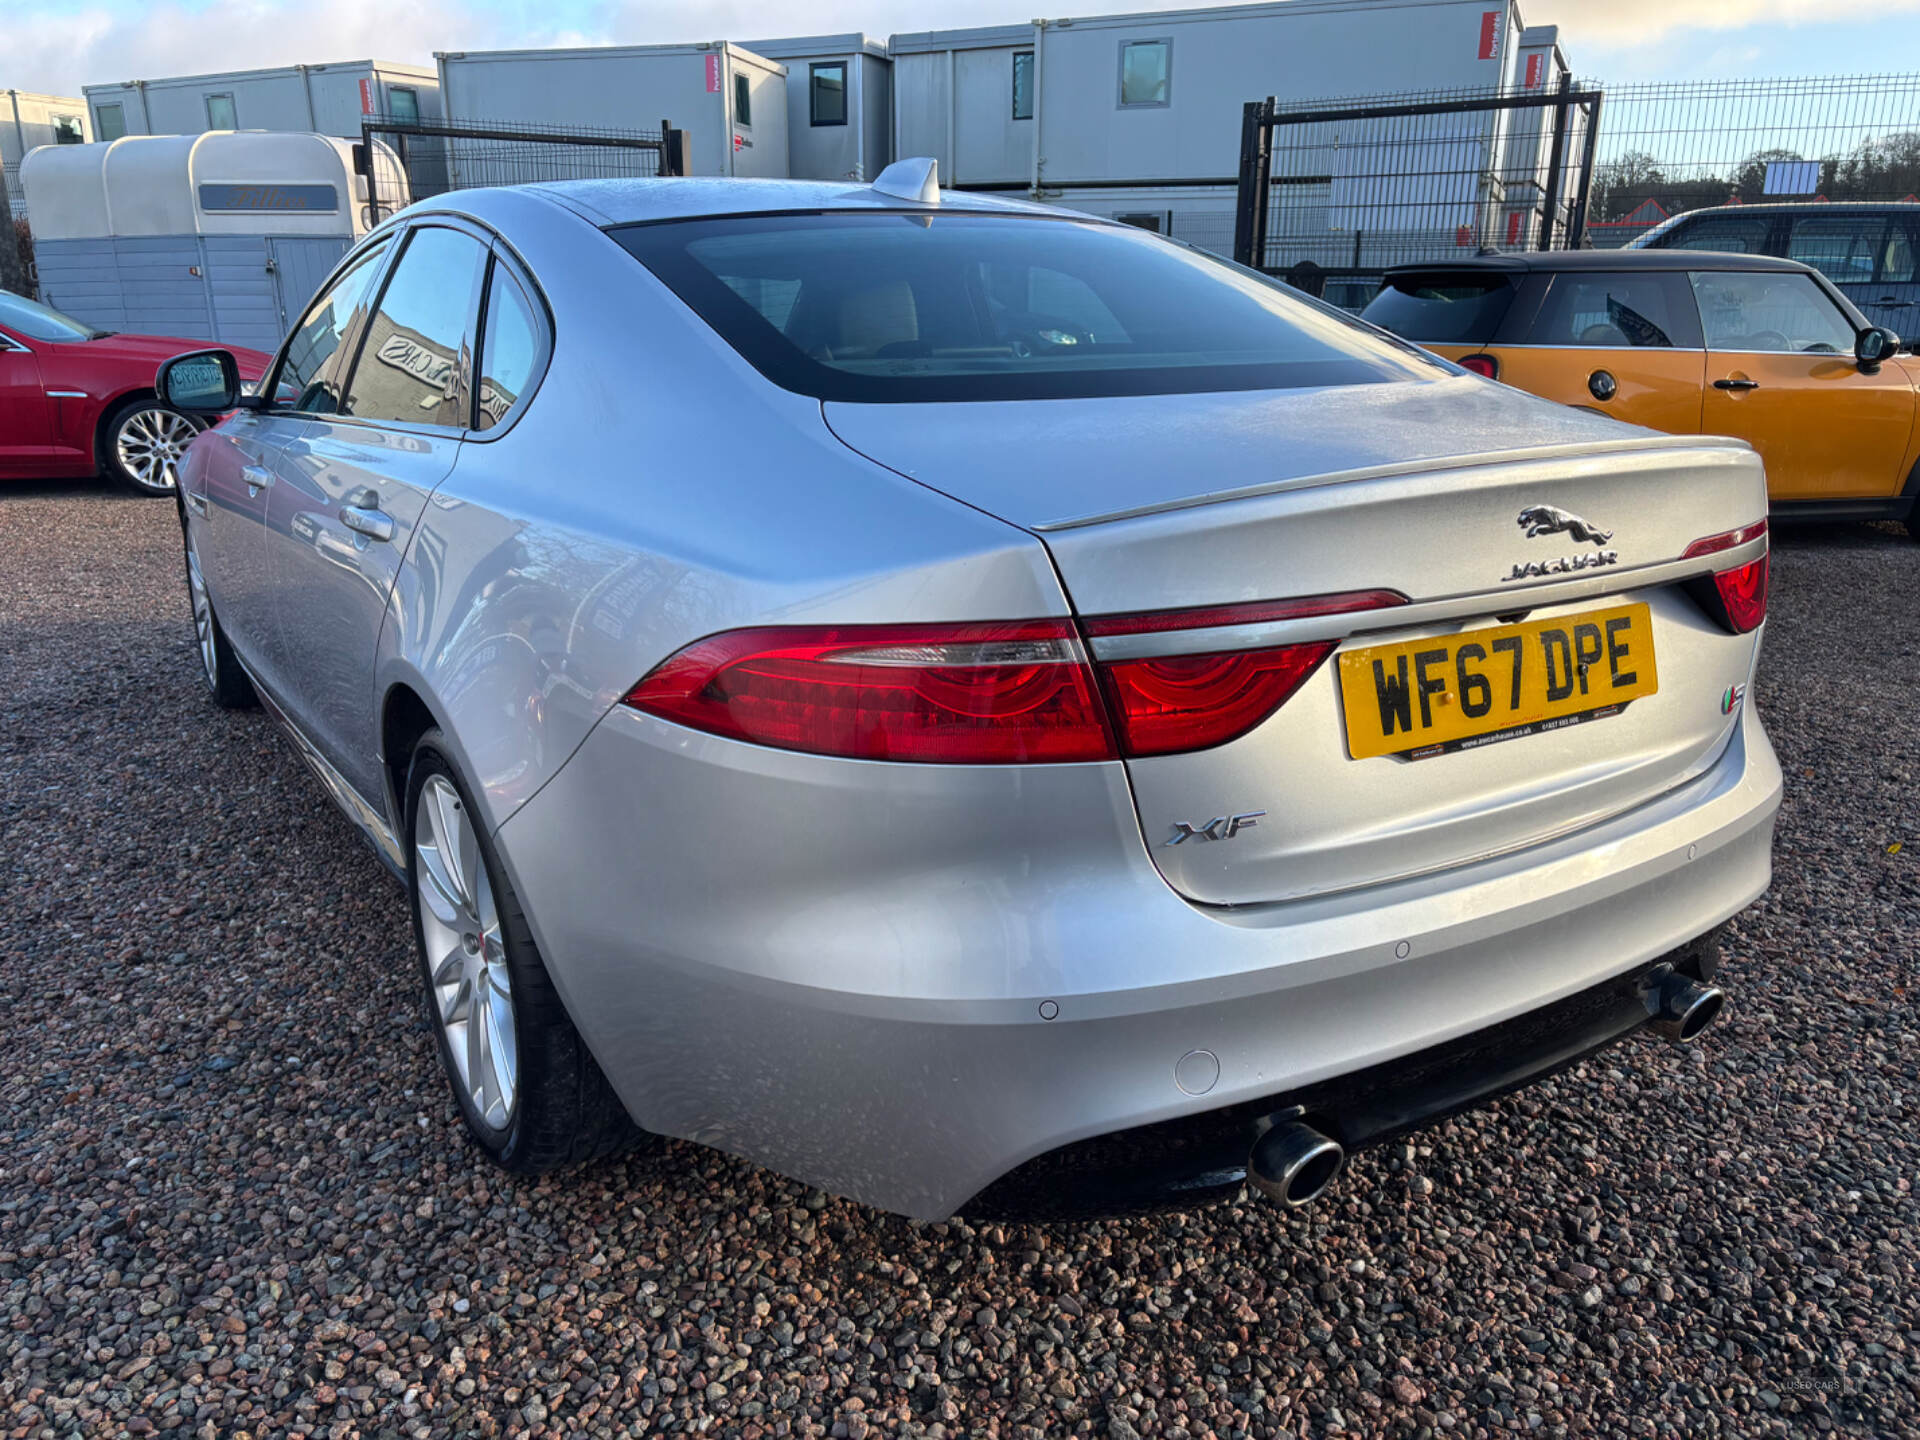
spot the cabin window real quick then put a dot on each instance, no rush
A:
(742, 103)
(403, 104)
(1023, 85)
(220, 114)
(827, 92)
(1146, 72)
(110, 122)
(67, 130)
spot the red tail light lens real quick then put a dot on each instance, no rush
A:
(940, 694)
(992, 694)
(1191, 702)
(1738, 598)
(1743, 595)
(1485, 365)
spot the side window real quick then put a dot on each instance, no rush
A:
(1146, 72)
(510, 349)
(403, 104)
(1770, 313)
(1842, 249)
(67, 130)
(309, 375)
(1023, 85)
(411, 360)
(1738, 234)
(220, 114)
(1612, 311)
(827, 93)
(742, 102)
(110, 122)
(1896, 260)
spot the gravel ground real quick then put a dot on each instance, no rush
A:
(235, 1200)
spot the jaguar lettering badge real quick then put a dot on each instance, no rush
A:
(1538, 520)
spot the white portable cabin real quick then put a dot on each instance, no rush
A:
(1044, 107)
(731, 102)
(28, 120)
(839, 105)
(314, 99)
(224, 235)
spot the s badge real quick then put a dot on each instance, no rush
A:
(1730, 701)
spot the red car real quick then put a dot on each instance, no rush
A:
(79, 401)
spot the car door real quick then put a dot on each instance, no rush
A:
(256, 451)
(1781, 376)
(25, 427)
(343, 515)
(1623, 343)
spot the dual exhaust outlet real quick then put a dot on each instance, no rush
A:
(1293, 1164)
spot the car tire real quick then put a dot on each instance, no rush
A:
(531, 1095)
(219, 667)
(142, 443)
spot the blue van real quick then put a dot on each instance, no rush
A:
(1868, 250)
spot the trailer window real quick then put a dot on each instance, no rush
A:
(884, 307)
(827, 93)
(742, 102)
(1442, 309)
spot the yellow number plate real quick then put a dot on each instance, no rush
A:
(1456, 692)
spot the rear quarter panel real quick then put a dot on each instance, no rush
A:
(655, 491)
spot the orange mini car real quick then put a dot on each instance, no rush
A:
(1690, 342)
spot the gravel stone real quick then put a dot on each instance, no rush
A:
(312, 1250)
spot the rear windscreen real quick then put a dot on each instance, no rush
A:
(1442, 309)
(872, 306)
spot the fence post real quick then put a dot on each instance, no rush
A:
(1256, 174)
(1552, 208)
(372, 170)
(673, 150)
(1577, 220)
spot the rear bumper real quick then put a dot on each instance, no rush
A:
(902, 983)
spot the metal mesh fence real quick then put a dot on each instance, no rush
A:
(440, 156)
(1665, 148)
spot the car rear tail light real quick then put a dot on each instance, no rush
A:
(1486, 365)
(940, 694)
(1738, 597)
(989, 694)
(1192, 702)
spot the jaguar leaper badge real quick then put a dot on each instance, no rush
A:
(1538, 520)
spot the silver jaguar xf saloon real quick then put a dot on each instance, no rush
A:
(975, 706)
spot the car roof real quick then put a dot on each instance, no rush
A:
(636, 201)
(1797, 207)
(1612, 260)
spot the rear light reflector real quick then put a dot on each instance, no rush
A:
(1737, 597)
(1191, 702)
(941, 694)
(1485, 365)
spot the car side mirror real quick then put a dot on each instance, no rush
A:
(1874, 344)
(202, 382)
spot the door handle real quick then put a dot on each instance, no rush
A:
(365, 520)
(258, 477)
(1736, 384)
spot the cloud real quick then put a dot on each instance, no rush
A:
(1622, 23)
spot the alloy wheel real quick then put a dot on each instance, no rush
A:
(202, 620)
(472, 991)
(149, 445)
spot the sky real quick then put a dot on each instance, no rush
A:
(57, 46)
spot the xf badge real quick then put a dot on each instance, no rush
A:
(1221, 827)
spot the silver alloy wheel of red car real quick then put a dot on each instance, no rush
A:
(148, 443)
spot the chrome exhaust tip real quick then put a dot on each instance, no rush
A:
(1293, 1164)
(1681, 1006)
